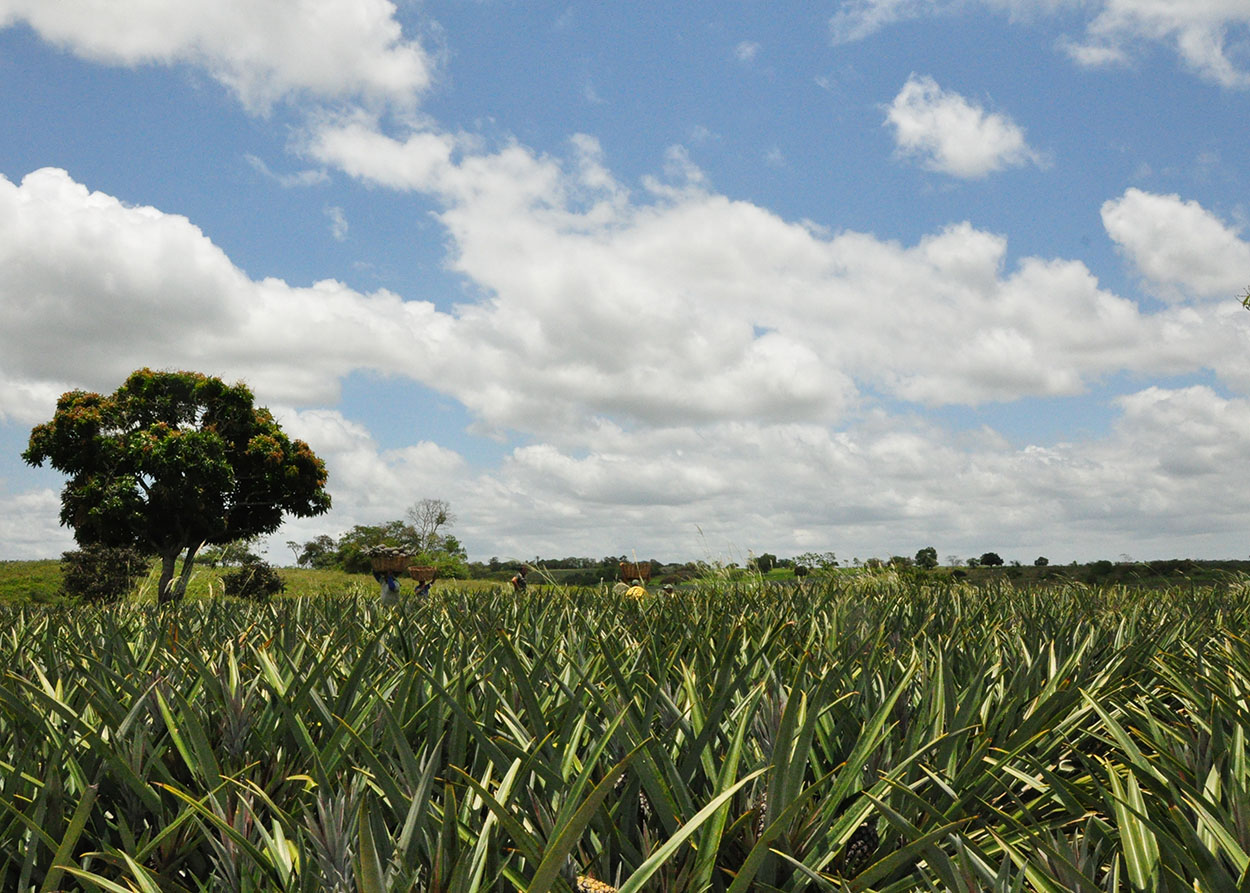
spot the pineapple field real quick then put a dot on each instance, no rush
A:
(873, 732)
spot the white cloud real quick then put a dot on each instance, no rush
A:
(677, 359)
(1165, 477)
(746, 51)
(289, 181)
(92, 288)
(1199, 31)
(672, 306)
(262, 52)
(29, 524)
(1208, 35)
(857, 19)
(1181, 248)
(1166, 480)
(664, 309)
(949, 134)
(338, 222)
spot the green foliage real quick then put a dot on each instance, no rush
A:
(172, 461)
(904, 736)
(352, 551)
(319, 552)
(254, 579)
(822, 560)
(927, 558)
(450, 565)
(421, 537)
(234, 554)
(31, 581)
(1099, 571)
(102, 573)
(990, 559)
(764, 562)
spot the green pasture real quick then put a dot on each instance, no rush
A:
(40, 582)
(30, 581)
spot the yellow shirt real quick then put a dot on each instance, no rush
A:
(636, 592)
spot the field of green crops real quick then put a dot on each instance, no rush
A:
(873, 733)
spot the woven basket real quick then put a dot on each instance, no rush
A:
(392, 563)
(422, 574)
(635, 571)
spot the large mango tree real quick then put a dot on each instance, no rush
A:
(174, 461)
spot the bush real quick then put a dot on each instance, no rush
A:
(102, 573)
(255, 580)
(1099, 571)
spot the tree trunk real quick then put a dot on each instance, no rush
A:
(172, 590)
(165, 590)
(188, 562)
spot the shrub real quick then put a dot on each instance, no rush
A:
(102, 573)
(1099, 571)
(255, 580)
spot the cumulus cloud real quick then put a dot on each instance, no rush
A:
(949, 134)
(29, 525)
(675, 357)
(92, 287)
(1182, 249)
(1165, 476)
(1208, 36)
(262, 52)
(1165, 480)
(666, 308)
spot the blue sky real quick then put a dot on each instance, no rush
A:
(685, 280)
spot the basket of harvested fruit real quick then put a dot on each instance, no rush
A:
(635, 570)
(423, 573)
(387, 559)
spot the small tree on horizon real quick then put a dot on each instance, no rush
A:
(171, 462)
(426, 518)
(764, 562)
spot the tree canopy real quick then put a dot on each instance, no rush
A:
(422, 537)
(173, 461)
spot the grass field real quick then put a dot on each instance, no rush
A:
(30, 581)
(869, 733)
(40, 582)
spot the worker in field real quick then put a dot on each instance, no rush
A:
(518, 580)
(389, 585)
(636, 590)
